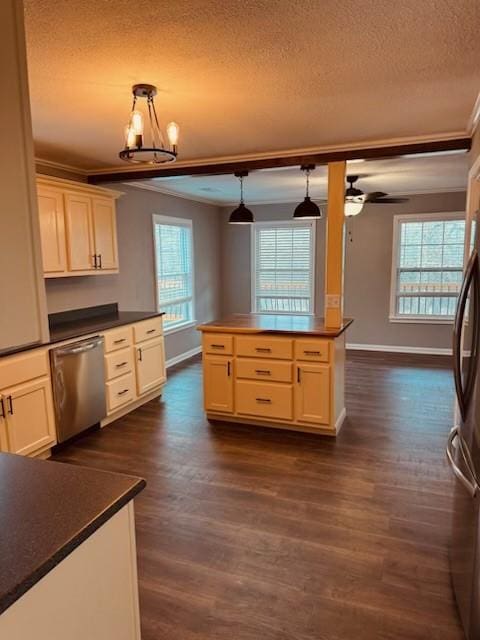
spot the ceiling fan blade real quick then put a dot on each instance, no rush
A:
(388, 200)
(374, 195)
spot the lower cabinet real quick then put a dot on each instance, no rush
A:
(312, 393)
(27, 424)
(150, 365)
(218, 384)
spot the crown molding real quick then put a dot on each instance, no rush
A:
(166, 192)
(61, 166)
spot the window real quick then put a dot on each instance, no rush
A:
(283, 267)
(427, 266)
(174, 270)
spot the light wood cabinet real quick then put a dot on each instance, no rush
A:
(78, 228)
(150, 365)
(52, 230)
(218, 384)
(29, 424)
(312, 394)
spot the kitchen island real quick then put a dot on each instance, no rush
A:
(283, 371)
(67, 552)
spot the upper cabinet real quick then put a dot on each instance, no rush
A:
(78, 228)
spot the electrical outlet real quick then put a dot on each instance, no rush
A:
(332, 301)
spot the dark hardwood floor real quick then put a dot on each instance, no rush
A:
(246, 533)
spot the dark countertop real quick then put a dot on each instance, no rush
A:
(271, 323)
(47, 509)
(75, 324)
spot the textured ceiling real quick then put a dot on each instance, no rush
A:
(397, 176)
(249, 76)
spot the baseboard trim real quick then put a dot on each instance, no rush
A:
(431, 351)
(183, 356)
(340, 420)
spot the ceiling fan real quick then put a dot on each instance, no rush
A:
(355, 198)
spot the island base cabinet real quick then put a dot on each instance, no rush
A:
(218, 384)
(92, 594)
(312, 394)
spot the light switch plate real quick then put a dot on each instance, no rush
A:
(332, 301)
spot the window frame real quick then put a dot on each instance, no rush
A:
(158, 218)
(253, 262)
(397, 221)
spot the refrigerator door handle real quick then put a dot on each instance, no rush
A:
(471, 277)
(470, 485)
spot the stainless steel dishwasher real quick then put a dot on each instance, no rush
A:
(78, 380)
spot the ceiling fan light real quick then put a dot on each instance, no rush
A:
(307, 209)
(352, 208)
(241, 215)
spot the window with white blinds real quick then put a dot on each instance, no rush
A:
(283, 257)
(427, 266)
(174, 270)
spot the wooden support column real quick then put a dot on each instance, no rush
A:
(334, 245)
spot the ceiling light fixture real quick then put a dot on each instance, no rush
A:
(241, 215)
(307, 209)
(140, 149)
(354, 198)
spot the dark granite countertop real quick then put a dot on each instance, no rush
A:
(275, 323)
(73, 324)
(47, 509)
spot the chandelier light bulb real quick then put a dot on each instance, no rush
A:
(173, 131)
(130, 137)
(136, 122)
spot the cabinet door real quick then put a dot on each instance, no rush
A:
(150, 366)
(80, 246)
(52, 230)
(105, 233)
(30, 423)
(218, 384)
(312, 393)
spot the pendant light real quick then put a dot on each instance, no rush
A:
(241, 215)
(307, 209)
(140, 148)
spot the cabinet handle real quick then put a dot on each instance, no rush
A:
(139, 354)
(2, 406)
(99, 260)
(120, 364)
(228, 368)
(298, 375)
(119, 341)
(312, 353)
(263, 400)
(95, 266)
(263, 349)
(263, 372)
(121, 393)
(218, 346)
(10, 405)
(151, 331)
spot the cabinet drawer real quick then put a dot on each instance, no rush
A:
(264, 370)
(23, 367)
(313, 350)
(281, 348)
(263, 399)
(218, 343)
(118, 363)
(120, 392)
(147, 329)
(118, 338)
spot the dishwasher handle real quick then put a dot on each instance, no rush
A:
(79, 347)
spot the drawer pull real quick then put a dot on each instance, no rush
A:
(312, 353)
(217, 346)
(263, 400)
(263, 372)
(151, 331)
(119, 341)
(123, 392)
(121, 364)
(263, 349)
(228, 368)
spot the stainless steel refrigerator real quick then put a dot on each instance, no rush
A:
(463, 448)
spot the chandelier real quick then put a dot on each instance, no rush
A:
(148, 148)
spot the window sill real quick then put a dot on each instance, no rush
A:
(180, 327)
(421, 320)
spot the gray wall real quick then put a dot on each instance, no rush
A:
(367, 270)
(134, 287)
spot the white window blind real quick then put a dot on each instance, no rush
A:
(428, 266)
(174, 270)
(283, 267)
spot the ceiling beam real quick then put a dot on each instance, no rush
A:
(222, 168)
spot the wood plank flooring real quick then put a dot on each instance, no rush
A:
(246, 533)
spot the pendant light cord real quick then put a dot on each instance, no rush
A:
(241, 189)
(307, 173)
